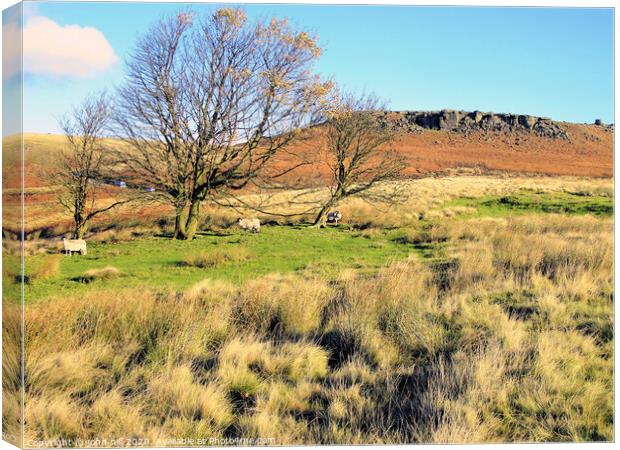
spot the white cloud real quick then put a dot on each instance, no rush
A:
(70, 50)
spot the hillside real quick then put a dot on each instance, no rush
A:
(437, 141)
(587, 152)
(505, 142)
(432, 141)
(39, 154)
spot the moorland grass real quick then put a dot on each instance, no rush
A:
(464, 325)
(511, 341)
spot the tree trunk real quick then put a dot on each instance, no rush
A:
(79, 227)
(319, 221)
(180, 222)
(192, 220)
(186, 222)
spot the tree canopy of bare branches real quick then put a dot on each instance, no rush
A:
(80, 168)
(356, 149)
(208, 101)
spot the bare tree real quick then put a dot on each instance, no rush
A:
(80, 167)
(208, 102)
(356, 150)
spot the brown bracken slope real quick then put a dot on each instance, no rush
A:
(587, 152)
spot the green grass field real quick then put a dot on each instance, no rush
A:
(531, 201)
(158, 261)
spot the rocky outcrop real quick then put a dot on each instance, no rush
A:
(476, 121)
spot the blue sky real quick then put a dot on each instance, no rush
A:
(553, 62)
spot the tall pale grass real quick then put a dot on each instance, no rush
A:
(509, 339)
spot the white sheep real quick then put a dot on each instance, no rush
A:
(252, 225)
(74, 245)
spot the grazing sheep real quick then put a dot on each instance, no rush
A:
(334, 217)
(74, 245)
(252, 225)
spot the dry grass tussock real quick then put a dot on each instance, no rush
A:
(216, 257)
(105, 273)
(508, 338)
(11, 371)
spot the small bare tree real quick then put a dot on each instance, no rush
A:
(78, 172)
(356, 150)
(207, 104)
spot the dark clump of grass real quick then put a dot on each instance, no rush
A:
(427, 241)
(518, 305)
